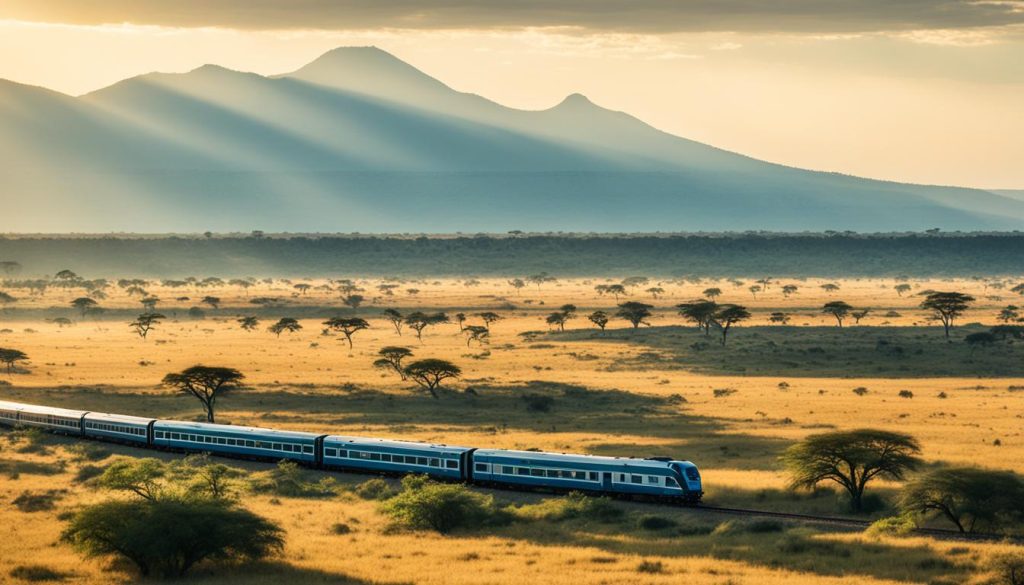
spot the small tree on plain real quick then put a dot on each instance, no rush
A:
(83, 305)
(353, 301)
(655, 292)
(634, 312)
(214, 302)
(947, 306)
(249, 323)
(10, 357)
(1009, 314)
(489, 317)
(556, 319)
(729, 315)
(712, 293)
(477, 333)
(789, 289)
(779, 318)
(419, 321)
(902, 288)
(837, 309)
(969, 497)
(851, 459)
(517, 283)
(599, 318)
(285, 324)
(460, 319)
(699, 312)
(347, 326)
(391, 358)
(145, 323)
(429, 373)
(206, 384)
(396, 319)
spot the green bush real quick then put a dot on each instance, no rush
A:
(649, 522)
(574, 505)
(374, 489)
(167, 536)
(290, 480)
(901, 525)
(423, 504)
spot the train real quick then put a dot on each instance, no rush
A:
(661, 478)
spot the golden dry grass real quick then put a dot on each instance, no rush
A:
(614, 394)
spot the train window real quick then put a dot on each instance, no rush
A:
(374, 456)
(537, 472)
(593, 476)
(451, 464)
(421, 461)
(159, 434)
(636, 479)
(287, 447)
(480, 467)
(307, 449)
(508, 470)
(277, 447)
(222, 441)
(671, 482)
(385, 457)
(250, 443)
(553, 473)
(523, 471)
(330, 452)
(435, 463)
(653, 479)
(342, 453)
(622, 477)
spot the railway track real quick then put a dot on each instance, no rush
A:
(853, 523)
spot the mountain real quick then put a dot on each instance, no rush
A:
(358, 140)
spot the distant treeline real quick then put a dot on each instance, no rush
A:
(779, 255)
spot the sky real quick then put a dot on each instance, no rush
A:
(924, 91)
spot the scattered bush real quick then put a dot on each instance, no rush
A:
(340, 528)
(423, 504)
(902, 525)
(38, 502)
(538, 402)
(654, 567)
(649, 522)
(374, 489)
(168, 536)
(860, 391)
(88, 472)
(906, 394)
(290, 480)
(572, 506)
(37, 573)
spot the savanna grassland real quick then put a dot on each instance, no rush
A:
(662, 389)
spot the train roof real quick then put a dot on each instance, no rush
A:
(124, 418)
(396, 443)
(198, 426)
(36, 409)
(574, 458)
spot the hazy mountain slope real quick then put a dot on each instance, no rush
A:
(360, 141)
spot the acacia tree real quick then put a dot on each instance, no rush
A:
(599, 318)
(789, 289)
(901, 288)
(712, 293)
(477, 333)
(518, 284)
(558, 319)
(654, 291)
(348, 326)
(837, 309)
(460, 319)
(634, 312)
(540, 278)
(419, 321)
(489, 317)
(830, 287)
(616, 290)
(249, 323)
(214, 302)
(391, 358)
(700, 312)
(1008, 314)
(396, 319)
(145, 322)
(729, 315)
(353, 301)
(83, 305)
(11, 357)
(206, 384)
(968, 497)
(947, 306)
(851, 459)
(285, 324)
(429, 373)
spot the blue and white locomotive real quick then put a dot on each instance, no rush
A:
(656, 477)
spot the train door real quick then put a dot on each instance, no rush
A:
(606, 480)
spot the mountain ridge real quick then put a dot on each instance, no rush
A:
(358, 140)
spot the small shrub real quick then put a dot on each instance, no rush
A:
(723, 392)
(37, 573)
(902, 525)
(572, 506)
(906, 394)
(538, 402)
(374, 489)
(38, 502)
(290, 480)
(340, 528)
(423, 504)
(860, 391)
(648, 522)
(654, 567)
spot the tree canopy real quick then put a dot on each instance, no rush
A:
(947, 306)
(851, 459)
(206, 384)
(969, 497)
(347, 326)
(429, 373)
(634, 312)
(838, 309)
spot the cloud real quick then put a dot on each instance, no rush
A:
(631, 16)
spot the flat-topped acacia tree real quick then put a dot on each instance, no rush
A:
(11, 357)
(347, 326)
(206, 384)
(837, 309)
(429, 373)
(634, 312)
(947, 306)
(145, 322)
